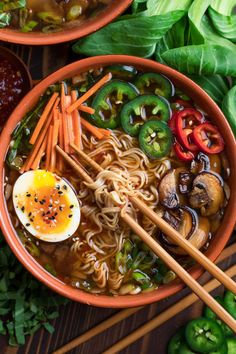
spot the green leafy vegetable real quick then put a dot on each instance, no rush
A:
(215, 85)
(229, 108)
(133, 36)
(224, 25)
(25, 304)
(202, 60)
(5, 19)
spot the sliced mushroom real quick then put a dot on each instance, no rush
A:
(203, 163)
(185, 182)
(193, 228)
(184, 220)
(207, 194)
(169, 191)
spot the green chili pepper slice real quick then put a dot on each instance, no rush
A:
(154, 83)
(230, 303)
(184, 349)
(124, 72)
(208, 313)
(223, 349)
(155, 139)
(231, 345)
(204, 335)
(143, 108)
(176, 341)
(109, 101)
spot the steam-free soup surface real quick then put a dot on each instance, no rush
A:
(50, 15)
(132, 134)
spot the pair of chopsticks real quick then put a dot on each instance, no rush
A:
(151, 324)
(158, 249)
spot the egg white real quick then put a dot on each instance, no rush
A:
(25, 183)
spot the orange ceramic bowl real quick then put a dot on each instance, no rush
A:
(91, 25)
(201, 98)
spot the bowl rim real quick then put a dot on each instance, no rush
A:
(125, 300)
(89, 26)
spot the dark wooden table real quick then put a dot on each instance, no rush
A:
(76, 318)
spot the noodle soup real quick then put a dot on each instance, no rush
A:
(151, 142)
(50, 15)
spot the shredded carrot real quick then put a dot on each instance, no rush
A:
(105, 132)
(67, 124)
(94, 130)
(61, 142)
(54, 142)
(89, 93)
(86, 109)
(76, 123)
(43, 118)
(49, 148)
(28, 163)
(39, 156)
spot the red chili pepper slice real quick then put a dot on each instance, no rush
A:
(183, 154)
(208, 139)
(186, 121)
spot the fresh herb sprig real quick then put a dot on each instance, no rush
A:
(25, 304)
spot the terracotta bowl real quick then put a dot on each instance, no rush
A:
(89, 26)
(201, 98)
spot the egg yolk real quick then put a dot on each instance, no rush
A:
(47, 207)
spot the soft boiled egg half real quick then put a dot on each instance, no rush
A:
(46, 205)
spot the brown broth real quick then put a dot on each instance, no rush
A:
(55, 15)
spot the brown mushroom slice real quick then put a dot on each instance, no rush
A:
(207, 194)
(184, 220)
(198, 238)
(168, 189)
(204, 163)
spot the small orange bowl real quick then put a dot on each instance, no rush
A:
(89, 26)
(201, 98)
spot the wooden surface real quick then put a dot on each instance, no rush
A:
(76, 318)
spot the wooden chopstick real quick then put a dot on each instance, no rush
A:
(161, 252)
(171, 232)
(180, 271)
(120, 316)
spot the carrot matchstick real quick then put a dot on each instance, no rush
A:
(89, 93)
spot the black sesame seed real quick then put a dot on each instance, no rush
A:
(36, 200)
(60, 208)
(29, 214)
(60, 192)
(48, 212)
(28, 195)
(65, 187)
(50, 205)
(41, 202)
(71, 206)
(31, 219)
(28, 224)
(56, 214)
(23, 208)
(70, 216)
(58, 187)
(43, 214)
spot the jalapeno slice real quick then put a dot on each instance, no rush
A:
(230, 303)
(176, 341)
(223, 349)
(208, 313)
(122, 71)
(184, 349)
(231, 345)
(204, 335)
(109, 101)
(143, 108)
(155, 139)
(154, 83)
